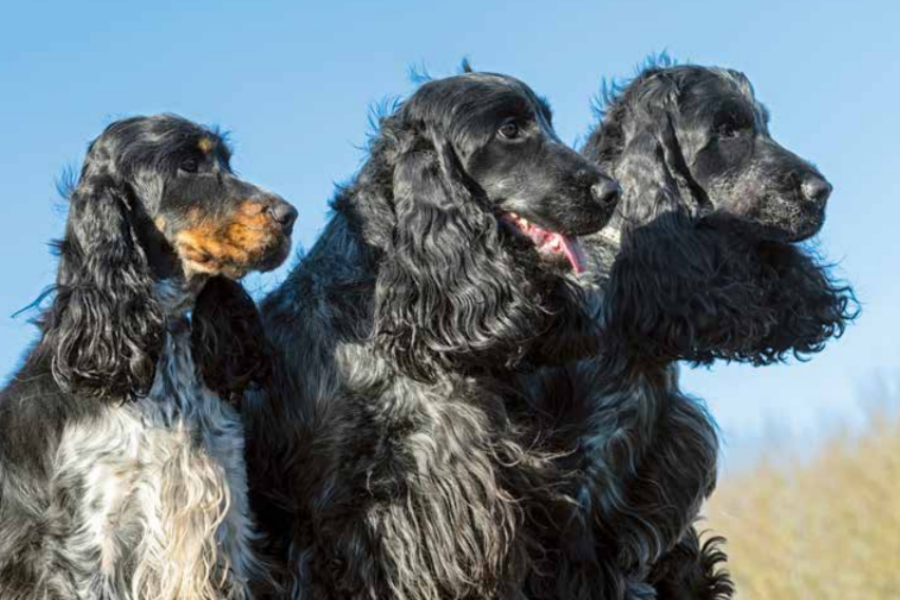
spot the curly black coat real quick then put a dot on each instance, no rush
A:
(701, 262)
(384, 463)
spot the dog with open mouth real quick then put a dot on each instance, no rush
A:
(383, 462)
(122, 472)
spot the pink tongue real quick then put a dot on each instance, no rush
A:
(572, 249)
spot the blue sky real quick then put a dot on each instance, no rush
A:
(293, 82)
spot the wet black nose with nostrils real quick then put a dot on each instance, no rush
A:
(606, 193)
(283, 213)
(816, 190)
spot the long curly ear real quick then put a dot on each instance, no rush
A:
(663, 290)
(680, 291)
(105, 329)
(228, 341)
(810, 306)
(638, 143)
(447, 294)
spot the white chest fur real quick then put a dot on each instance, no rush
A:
(162, 511)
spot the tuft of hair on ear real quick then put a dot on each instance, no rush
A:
(628, 99)
(103, 330)
(378, 112)
(465, 66)
(612, 88)
(656, 60)
(447, 295)
(67, 182)
(228, 340)
(418, 74)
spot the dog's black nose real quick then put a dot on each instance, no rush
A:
(815, 189)
(606, 192)
(283, 213)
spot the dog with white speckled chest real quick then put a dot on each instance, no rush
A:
(122, 472)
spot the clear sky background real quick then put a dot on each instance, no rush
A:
(293, 82)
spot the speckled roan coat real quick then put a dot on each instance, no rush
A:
(122, 473)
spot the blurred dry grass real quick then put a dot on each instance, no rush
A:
(822, 528)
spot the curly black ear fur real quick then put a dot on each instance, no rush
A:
(638, 144)
(691, 571)
(448, 295)
(105, 326)
(679, 290)
(228, 340)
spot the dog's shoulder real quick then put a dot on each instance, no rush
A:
(34, 413)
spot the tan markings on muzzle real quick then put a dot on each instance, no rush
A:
(232, 245)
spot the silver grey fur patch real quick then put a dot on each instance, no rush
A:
(163, 512)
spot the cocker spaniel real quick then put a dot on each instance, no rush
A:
(122, 474)
(383, 462)
(702, 261)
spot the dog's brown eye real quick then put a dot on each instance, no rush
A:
(510, 130)
(189, 165)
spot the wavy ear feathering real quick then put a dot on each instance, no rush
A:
(682, 290)
(445, 296)
(104, 328)
(639, 142)
(228, 341)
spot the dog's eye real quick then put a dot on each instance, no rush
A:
(731, 125)
(510, 130)
(727, 130)
(189, 165)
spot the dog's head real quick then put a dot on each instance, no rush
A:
(502, 136)
(156, 200)
(712, 207)
(170, 182)
(712, 136)
(478, 207)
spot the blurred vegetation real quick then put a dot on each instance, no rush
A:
(822, 527)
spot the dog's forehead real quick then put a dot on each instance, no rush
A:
(493, 87)
(512, 85)
(176, 135)
(737, 82)
(707, 88)
(169, 131)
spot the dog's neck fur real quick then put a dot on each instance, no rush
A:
(438, 489)
(165, 514)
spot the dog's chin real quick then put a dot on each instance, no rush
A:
(274, 258)
(200, 270)
(793, 227)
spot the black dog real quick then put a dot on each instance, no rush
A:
(699, 263)
(121, 474)
(384, 463)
